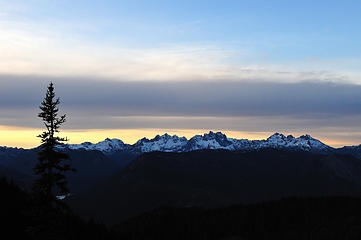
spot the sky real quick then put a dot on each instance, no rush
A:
(133, 69)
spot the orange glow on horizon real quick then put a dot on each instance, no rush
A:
(26, 137)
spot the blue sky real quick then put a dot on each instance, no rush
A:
(281, 30)
(299, 35)
(253, 44)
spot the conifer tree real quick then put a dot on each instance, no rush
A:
(51, 165)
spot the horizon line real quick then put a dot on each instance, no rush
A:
(131, 136)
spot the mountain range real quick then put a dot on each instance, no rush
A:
(112, 155)
(117, 180)
(211, 140)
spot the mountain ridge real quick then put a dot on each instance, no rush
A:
(211, 140)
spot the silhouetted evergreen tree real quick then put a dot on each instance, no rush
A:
(24, 218)
(51, 165)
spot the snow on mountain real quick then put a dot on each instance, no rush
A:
(304, 142)
(277, 140)
(165, 143)
(106, 146)
(211, 140)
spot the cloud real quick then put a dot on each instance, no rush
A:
(37, 48)
(257, 106)
(32, 41)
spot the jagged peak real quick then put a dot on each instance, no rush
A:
(307, 137)
(210, 140)
(164, 136)
(276, 136)
(144, 139)
(215, 133)
(108, 141)
(290, 137)
(158, 137)
(210, 135)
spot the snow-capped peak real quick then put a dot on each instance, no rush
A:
(277, 138)
(304, 142)
(107, 146)
(165, 143)
(211, 140)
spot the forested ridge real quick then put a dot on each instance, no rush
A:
(290, 218)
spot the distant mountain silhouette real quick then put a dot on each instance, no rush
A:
(7, 154)
(92, 167)
(122, 153)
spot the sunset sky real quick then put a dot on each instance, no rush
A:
(133, 69)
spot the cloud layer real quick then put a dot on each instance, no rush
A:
(323, 108)
(187, 98)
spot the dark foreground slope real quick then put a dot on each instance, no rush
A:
(216, 178)
(24, 218)
(322, 218)
(293, 218)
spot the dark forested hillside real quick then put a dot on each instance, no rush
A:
(197, 195)
(216, 178)
(23, 180)
(23, 218)
(323, 218)
(330, 218)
